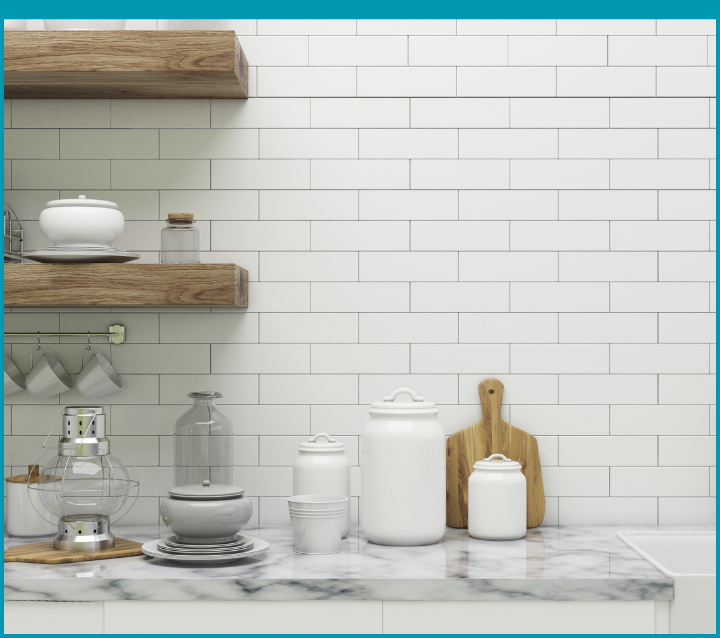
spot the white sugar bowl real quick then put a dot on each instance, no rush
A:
(205, 514)
(82, 222)
(497, 500)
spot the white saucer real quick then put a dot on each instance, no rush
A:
(78, 255)
(259, 547)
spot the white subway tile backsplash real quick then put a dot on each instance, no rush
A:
(308, 205)
(156, 358)
(696, 266)
(288, 112)
(459, 297)
(506, 81)
(138, 114)
(270, 50)
(566, 112)
(280, 296)
(407, 204)
(608, 204)
(405, 27)
(608, 388)
(556, 235)
(460, 173)
(686, 143)
(460, 113)
(665, 235)
(557, 51)
(408, 143)
(259, 358)
(507, 204)
(657, 51)
(406, 81)
(680, 358)
(308, 143)
(461, 235)
(679, 327)
(686, 451)
(605, 81)
(686, 27)
(686, 82)
(360, 297)
(664, 173)
(308, 327)
(512, 143)
(109, 144)
(207, 143)
(208, 205)
(576, 481)
(309, 266)
(358, 51)
(408, 266)
(678, 511)
(609, 450)
(360, 358)
(608, 266)
(265, 173)
(508, 266)
(66, 173)
(360, 174)
(359, 235)
(217, 328)
(317, 81)
(360, 113)
(506, 27)
(659, 297)
(559, 173)
(261, 235)
(160, 174)
(608, 327)
(504, 327)
(523, 389)
(408, 327)
(562, 420)
(458, 51)
(235, 388)
(330, 389)
(608, 511)
(558, 297)
(459, 358)
(608, 143)
(31, 144)
(305, 27)
(659, 481)
(341, 419)
(687, 388)
(559, 358)
(60, 114)
(655, 420)
(671, 112)
(605, 27)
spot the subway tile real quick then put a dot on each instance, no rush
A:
(159, 174)
(309, 266)
(136, 114)
(559, 358)
(408, 327)
(459, 235)
(438, 388)
(458, 50)
(211, 205)
(316, 81)
(609, 143)
(340, 419)
(608, 450)
(381, 112)
(608, 266)
(559, 173)
(360, 358)
(608, 388)
(506, 204)
(146, 419)
(360, 297)
(658, 297)
(32, 144)
(557, 235)
(408, 266)
(140, 328)
(686, 27)
(666, 173)
(562, 420)
(558, 297)
(668, 112)
(7, 174)
(269, 419)
(405, 27)
(459, 358)
(506, 27)
(265, 173)
(246, 450)
(313, 327)
(699, 266)
(261, 112)
(358, 51)
(605, 27)
(460, 113)
(508, 143)
(360, 174)
(607, 204)
(406, 81)
(61, 113)
(525, 389)
(686, 81)
(665, 235)
(605, 327)
(155, 481)
(460, 173)
(77, 174)
(7, 113)
(264, 481)
(331, 389)
(608, 511)
(679, 327)
(33, 419)
(687, 451)
(686, 143)
(22, 450)
(305, 27)
(158, 359)
(659, 481)
(557, 51)
(265, 50)
(143, 450)
(360, 235)
(408, 204)
(261, 235)
(28, 204)
(308, 205)
(686, 511)
(711, 54)
(605, 81)
(408, 143)
(504, 327)
(235, 388)
(653, 420)
(508, 266)
(559, 112)
(283, 450)
(308, 143)
(504, 81)
(260, 358)
(548, 450)
(208, 143)
(209, 328)
(687, 388)
(657, 51)
(576, 481)
(108, 144)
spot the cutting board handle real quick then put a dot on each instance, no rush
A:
(491, 394)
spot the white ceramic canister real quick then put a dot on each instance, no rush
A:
(321, 465)
(26, 516)
(497, 500)
(402, 498)
(82, 222)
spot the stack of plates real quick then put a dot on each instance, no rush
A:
(80, 255)
(172, 549)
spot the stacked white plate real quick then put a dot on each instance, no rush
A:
(172, 549)
(80, 255)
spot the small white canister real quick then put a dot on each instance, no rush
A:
(26, 515)
(497, 500)
(321, 467)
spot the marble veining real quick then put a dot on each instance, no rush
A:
(550, 563)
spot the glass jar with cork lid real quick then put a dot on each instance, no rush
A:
(180, 240)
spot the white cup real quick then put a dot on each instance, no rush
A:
(317, 522)
(48, 377)
(98, 378)
(14, 380)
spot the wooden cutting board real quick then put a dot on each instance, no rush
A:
(491, 435)
(45, 553)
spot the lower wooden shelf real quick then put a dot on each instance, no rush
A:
(126, 285)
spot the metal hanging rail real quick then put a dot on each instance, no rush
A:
(116, 334)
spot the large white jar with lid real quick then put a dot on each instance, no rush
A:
(321, 467)
(403, 473)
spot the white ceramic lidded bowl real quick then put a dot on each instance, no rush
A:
(206, 514)
(82, 222)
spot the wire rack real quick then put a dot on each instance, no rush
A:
(13, 236)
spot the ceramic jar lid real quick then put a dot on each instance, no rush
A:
(315, 445)
(205, 492)
(81, 201)
(497, 462)
(389, 403)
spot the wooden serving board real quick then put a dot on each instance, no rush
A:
(45, 553)
(491, 435)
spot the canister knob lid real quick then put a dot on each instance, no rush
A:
(313, 444)
(389, 403)
(497, 462)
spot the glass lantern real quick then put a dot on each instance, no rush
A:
(204, 443)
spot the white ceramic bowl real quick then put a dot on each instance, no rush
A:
(82, 222)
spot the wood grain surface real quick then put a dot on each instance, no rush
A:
(491, 435)
(44, 552)
(126, 285)
(124, 64)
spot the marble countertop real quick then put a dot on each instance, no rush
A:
(550, 563)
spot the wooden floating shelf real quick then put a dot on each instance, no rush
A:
(124, 64)
(126, 285)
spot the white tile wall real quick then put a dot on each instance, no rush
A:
(420, 203)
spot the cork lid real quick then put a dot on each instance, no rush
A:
(181, 217)
(33, 476)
